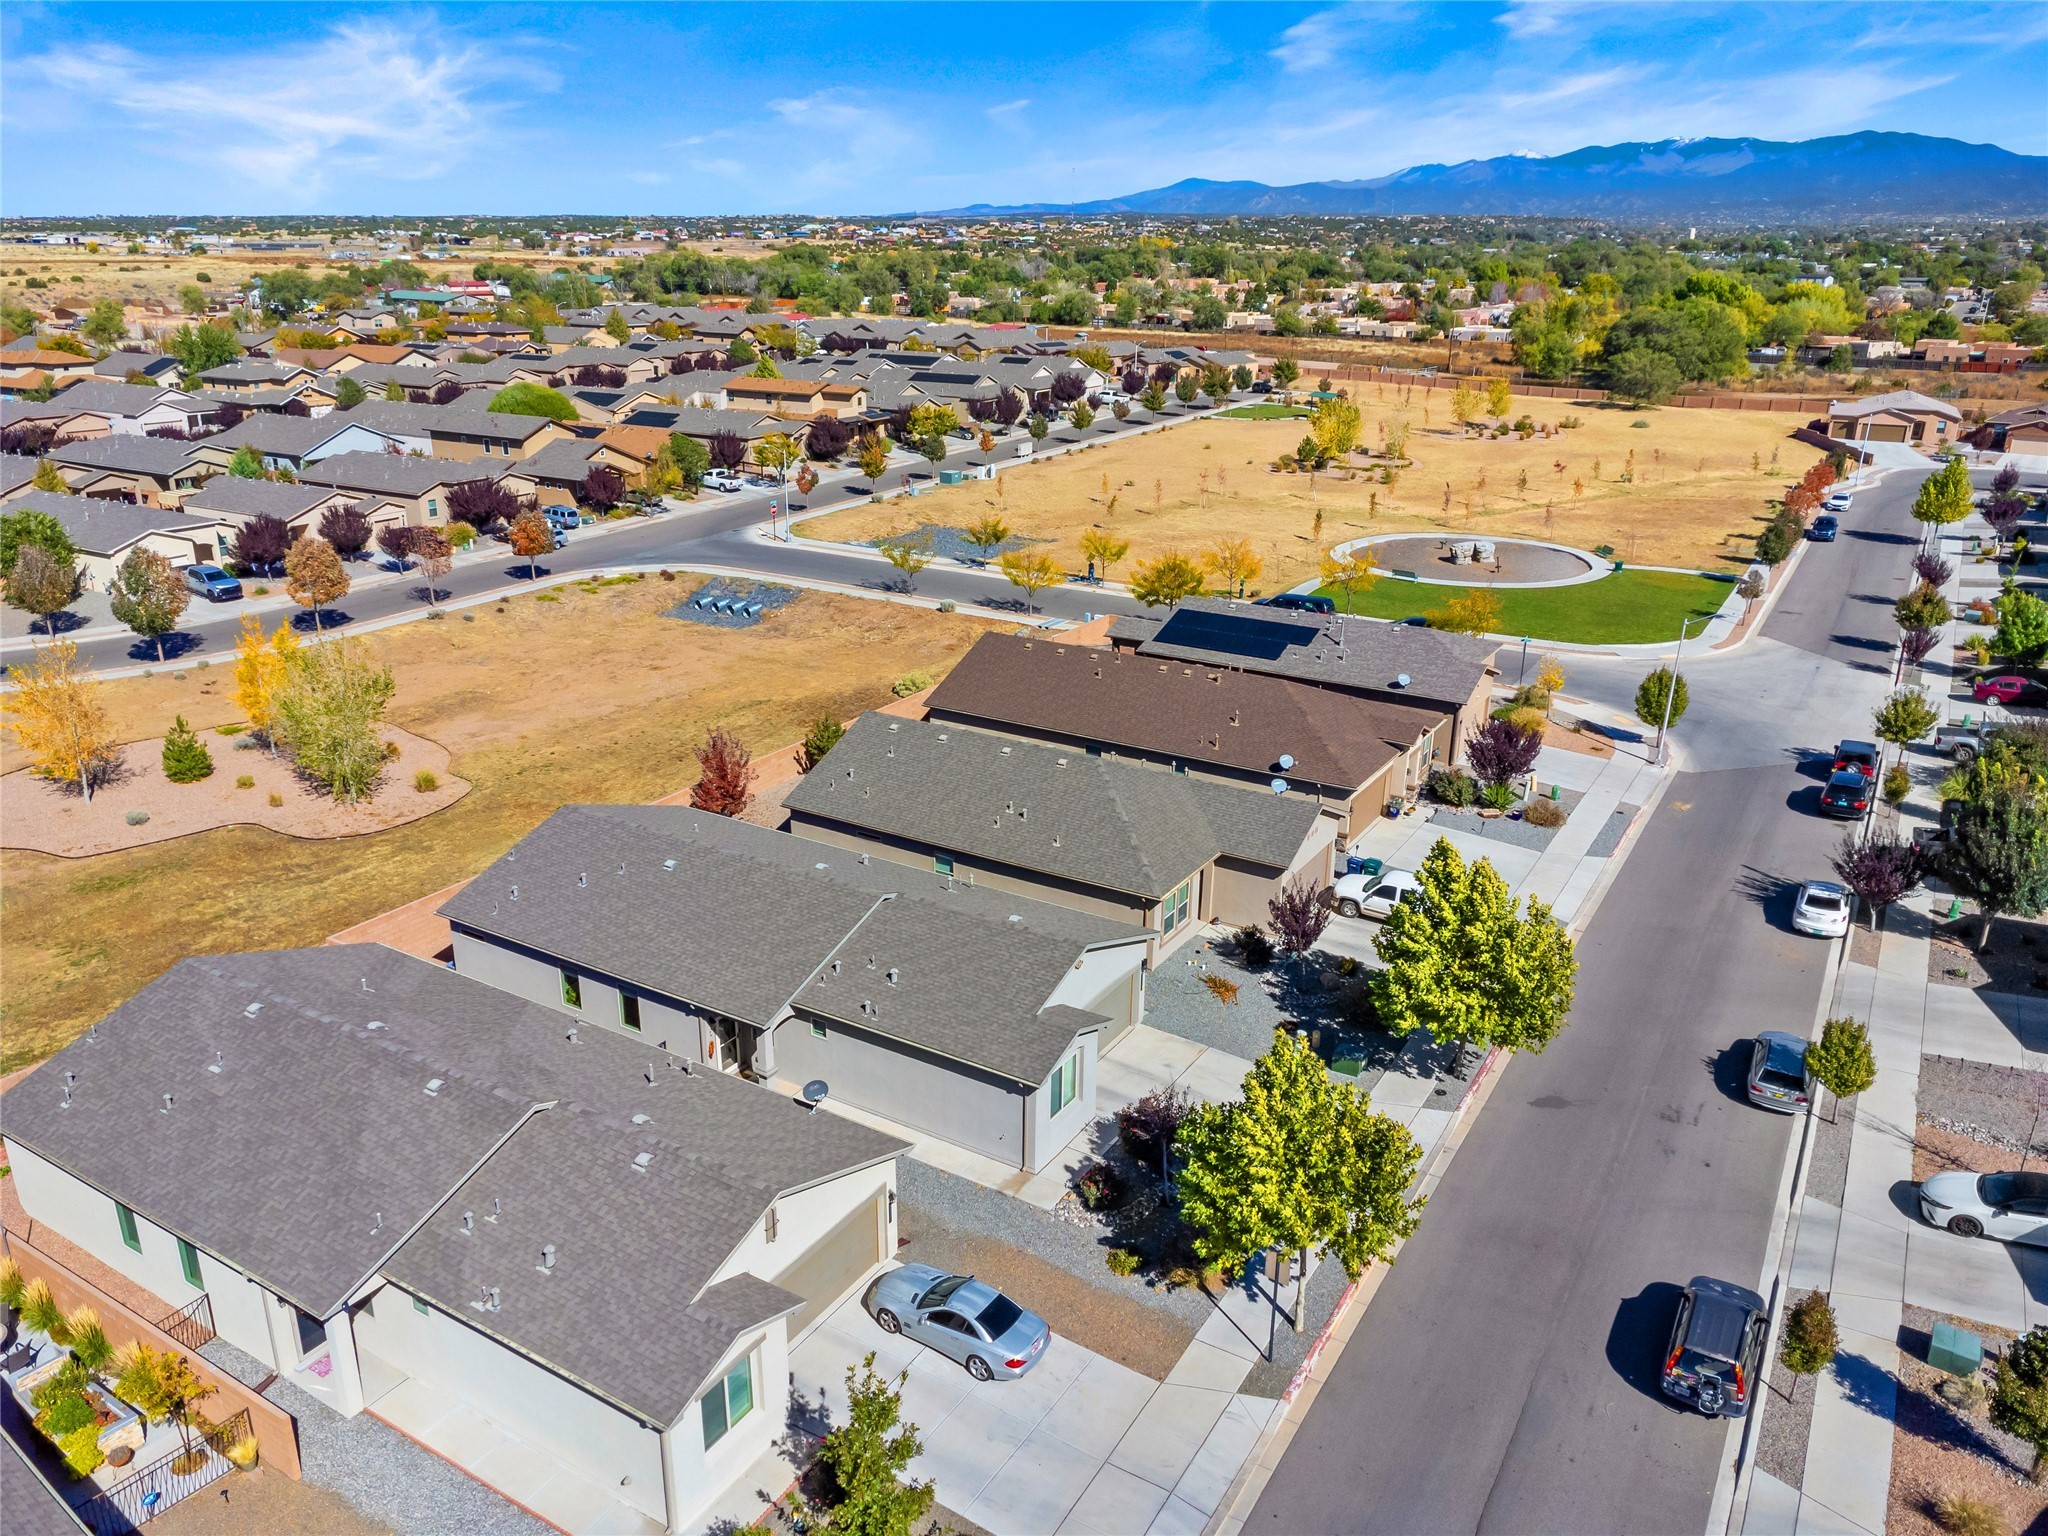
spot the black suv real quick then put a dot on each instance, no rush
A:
(1859, 755)
(1299, 602)
(1847, 795)
(1716, 1352)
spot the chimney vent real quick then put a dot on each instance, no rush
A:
(435, 1085)
(469, 1221)
(547, 1257)
(217, 1062)
(642, 1161)
(167, 1105)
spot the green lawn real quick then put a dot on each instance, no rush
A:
(1631, 607)
(1265, 410)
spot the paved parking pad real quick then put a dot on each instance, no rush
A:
(1079, 1444)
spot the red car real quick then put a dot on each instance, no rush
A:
(2007, 690)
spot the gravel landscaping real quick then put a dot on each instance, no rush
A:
(770, 598)
(1269, 1378)
(1313, 994)
(1508, 829)
(1827, 1168)
(1788, 1418)
(1608, 838)
(951, 543)
(1999, 1106)
(1944, 1445)
(381, 1473)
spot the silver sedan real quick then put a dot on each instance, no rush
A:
(960, 1317)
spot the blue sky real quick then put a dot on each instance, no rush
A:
(860, 108)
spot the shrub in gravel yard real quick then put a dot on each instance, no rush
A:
(1453, 787)
(1898, 784)
(1100, 1187)
(1543, 813)
(245, 781)
(909, 683)
(1496, 797)
(1968, 1517)
(865, 1459)
(185, 758)
(1122, 1261)
(2019, 1399)
(1253, 947)
(135, 818)
(425, 782)
(1147, 1128)
(1223, 987)
(1810, 1336)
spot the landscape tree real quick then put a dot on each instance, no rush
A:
(603, 488)
(1350, 574)
(1038, 426)
(690, 457)
(1232, 562)
(1474, 611)
(1905, 717)
(987, 534)
(778, 453)
(1009, 406)
(1944, 497)
(1166, 579)
(1300, 1161)
(327, 707)
(396, 540)
(1749, 589)
(529, 399)
(1299, 914)
(728, 450)
(1103, 550)
(1879, 870)
(828, 438)
(245, 463)
(1499, 397)
(866, 1457)
(60, 721)
(1241, 378)
(1185, 388)
(1501, 751)
(1464, 962)
(261, 668)
(1916, 645)
(2006, 505)
(1811, 1338)
(531, 535)
(1643, 376)
(148, 595)
(1153, 398)
(192, 299)
(724, 774)
(1464, 405)
(395, 393)
(615, 326)
(349, 394)
(50, 479)
(347, 528)
(40, 586)
(1922, 608)
(1661, 699)
(201, 347)
(1335, 425)
(435, 557)
(910, 553)
(1841, 1060)
(825, 733)
(185, 758)
(1285, 372)
(873, 454)
(314, 575)
(1206, 313)
(2022, 633)
(1031, 570)
(1998, 854)
(2019, 1395)
(482, 504)
(162, 1386)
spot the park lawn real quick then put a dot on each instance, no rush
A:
(594, 697)
(1265, 410)
(1698, 493)
(1627, 608)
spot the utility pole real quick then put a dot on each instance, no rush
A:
(1671, 686)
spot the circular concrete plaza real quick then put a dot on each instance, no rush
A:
(1514, 562)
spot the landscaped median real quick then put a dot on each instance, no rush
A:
(1625, 608)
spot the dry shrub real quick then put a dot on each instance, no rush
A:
(1543, 813)
(1968, 1517)
(1224, 988)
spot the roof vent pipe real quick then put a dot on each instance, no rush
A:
(547, 1257)
(167, 1105)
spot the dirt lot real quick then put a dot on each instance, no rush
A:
(595, 697)
(1694, 501)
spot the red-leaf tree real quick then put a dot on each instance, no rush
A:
(1500, 751)
(604, 488)
(1299, 915)
(1879, 871)
(483, 504)
(396, 541)
(725, 769)
(346, 528)
(728, 450)
(262, 541)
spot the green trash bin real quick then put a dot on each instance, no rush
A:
(1955, 1350)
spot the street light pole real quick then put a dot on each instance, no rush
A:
(1671, 685)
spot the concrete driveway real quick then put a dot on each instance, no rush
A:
(1081, 1444)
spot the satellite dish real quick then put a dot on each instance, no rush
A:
(815, 1092)
(1286, 761)
(1279, 786)
(1401, 681)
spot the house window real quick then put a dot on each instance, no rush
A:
(1066, 1081)
(818, 1030)
(572, 989)
(188, 1261)
(1175, 910)
(433, 509)
(312, 1332)
(731, 1400)
(126, 1218)
(943, 863)
(629, 1011)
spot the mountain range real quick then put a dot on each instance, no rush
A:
(1848, 177)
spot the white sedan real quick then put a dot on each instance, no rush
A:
(2012, 1207)
(1821, 909)
(1373, 895)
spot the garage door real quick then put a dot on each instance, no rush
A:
(835, 1262)
(1880, 433)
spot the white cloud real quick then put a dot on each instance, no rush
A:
(1318, 41)
(1525, 19)
(367, 99)
(1009, 106)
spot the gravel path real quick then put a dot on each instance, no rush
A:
(1827, 1175)
(379, 1471)
(1269, 1378)
(1788, 1419)
(1311, 995)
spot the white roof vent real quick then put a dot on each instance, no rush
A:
(642, 1161)
(252, 1010)
(643, 1119)
(668, 863)
(435, 1085)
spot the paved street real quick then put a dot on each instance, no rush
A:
(1504, 1377)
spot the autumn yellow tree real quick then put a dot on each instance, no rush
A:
(1499, 400)
(1350, 573)
(1031, 569)
(1103, 549)
(1464, 405)
(59, 719)
(1475, 611)
(1335, 426)
(314, 575)
(261, 670)
(1233, 563)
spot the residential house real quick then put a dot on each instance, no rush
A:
(749, 426)
(32, 367)
(966, 1012)
(417, 487)
(396, 1185)
(2024, 429)
(1900, 416)
(105, 532)
(234, 502)
(17, 474)
(1350, 755)
(459, 431)
(1935, 349)
(294, 442)
(154, 367)
(156, 471)
(796, 398)
(97, 407)
(1369, 658)
(1161, 851)
(249, 374)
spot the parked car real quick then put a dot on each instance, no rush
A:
(724, 480)
(212, 583)
(2011, 1207)
(1859, 755)
(1373, 895)
(1822, 529)
(562, 518)
(2008, 689)
(1299, 602)
(960, 1317)
(1716, 1352)
(1822, 909)
(1262, 387)
(1777, 1072)
(1847, 795)
(1838, 501)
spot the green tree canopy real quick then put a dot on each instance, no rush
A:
(867, 1456)
(1465, 962)
(2022, 625)
(29, 526)
(1905, 717)
(200, 347)
(1999, 853)
(527, 399)
(1944, 496)
(105, 323)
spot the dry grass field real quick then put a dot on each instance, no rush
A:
(1696, 495)
(595, 697)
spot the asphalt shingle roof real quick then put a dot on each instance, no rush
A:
(394, 473)
(98, 526)
(1118, 825)
(127, 451)
(976, 966)
(233, 496)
